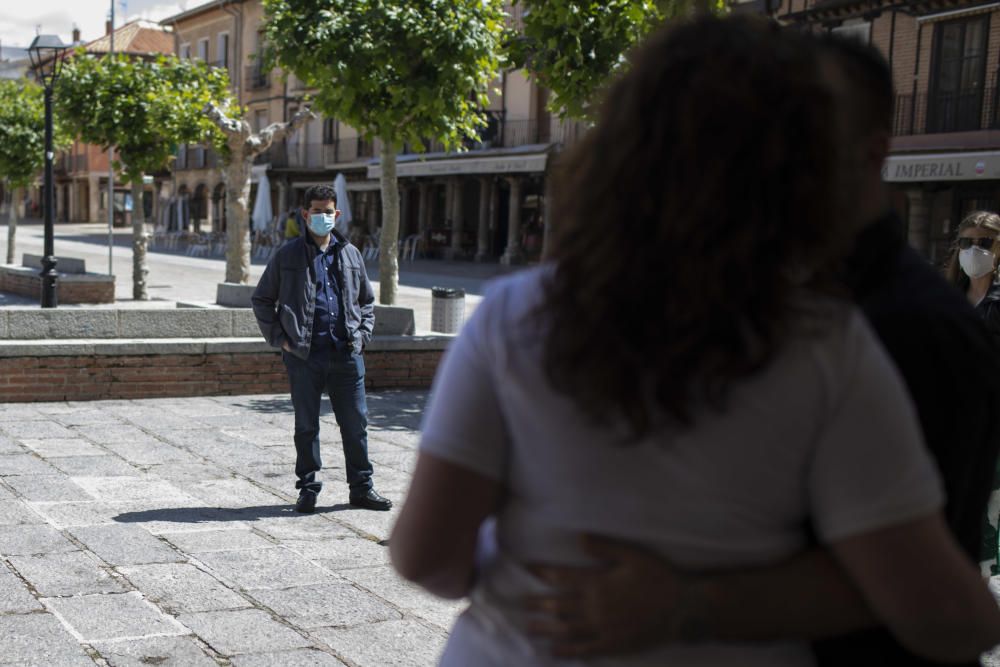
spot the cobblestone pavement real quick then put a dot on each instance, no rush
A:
(161, 532)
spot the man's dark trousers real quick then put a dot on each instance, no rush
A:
(341, 373)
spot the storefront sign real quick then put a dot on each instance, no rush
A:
(944, 167)
(467, 165)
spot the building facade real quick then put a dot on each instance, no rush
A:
(485, 203)
(945, 59)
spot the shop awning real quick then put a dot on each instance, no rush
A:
(972, 166)
(523, 159)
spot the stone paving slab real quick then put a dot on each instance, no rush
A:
(10, 446)
(15, 596)
(24, 464)
(162, 532)
(339, 603)
(125, 544)
(52, 447)
(159, 651)
(207, 541)
(73, 573)
(39, 639)
(182, 587)
(404, 643)
(300, 658)
(274, 567)
(95, 466)
(243, 631)
(386, 584)
(74, 514)
(96, 618)
(47, 488)
(33, 539)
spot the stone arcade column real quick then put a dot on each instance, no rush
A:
(454, 208)
(423, 210)
(513, 253)
(919, 223)
(93, 198)
(282, 199)
(404, 212)
(483, 232)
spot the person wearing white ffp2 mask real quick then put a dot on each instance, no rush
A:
(973, 265)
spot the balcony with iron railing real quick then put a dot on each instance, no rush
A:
(352, 149)
(195, 157)
(257, 77)
(938, 113)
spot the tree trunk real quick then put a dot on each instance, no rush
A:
(237, 176)
(139, 267)
(388, 259)
(12, 224)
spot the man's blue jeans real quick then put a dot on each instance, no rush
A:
(341, 373)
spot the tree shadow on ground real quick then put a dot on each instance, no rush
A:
(389, 409)
(397, 410)
(224, 514)
(270, 406)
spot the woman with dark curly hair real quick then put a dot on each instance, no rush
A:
(973, 265)
(678, 376)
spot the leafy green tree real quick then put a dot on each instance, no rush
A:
(404, 71)
(573, 47)
(22, 144)
(145, 108)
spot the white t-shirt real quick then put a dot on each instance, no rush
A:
(825, 434)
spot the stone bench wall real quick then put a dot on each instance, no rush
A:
(98, 377)
(72, 288)
(93, 354)
(95, 369)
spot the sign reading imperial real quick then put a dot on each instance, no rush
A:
(919, 172)
(951, 167)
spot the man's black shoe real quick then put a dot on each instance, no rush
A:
(306, 503)
(371, 501)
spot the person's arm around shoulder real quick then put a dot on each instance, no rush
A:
(265, 304)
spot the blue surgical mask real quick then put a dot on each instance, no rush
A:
(321, 224)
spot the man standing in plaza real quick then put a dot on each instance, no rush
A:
(314, 302)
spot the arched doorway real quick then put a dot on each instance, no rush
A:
(219, 208)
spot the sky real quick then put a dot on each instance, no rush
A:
(19, 19)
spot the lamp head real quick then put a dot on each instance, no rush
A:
(46, 57)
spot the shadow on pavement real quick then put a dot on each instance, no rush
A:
(392, 410)
(267, 405)
(222, 514)
(396, 410)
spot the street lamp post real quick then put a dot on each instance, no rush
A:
(46, 58)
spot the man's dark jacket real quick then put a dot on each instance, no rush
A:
(284, 302)
(951, 367)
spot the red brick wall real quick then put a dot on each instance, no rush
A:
(29, 379)
(28, 284)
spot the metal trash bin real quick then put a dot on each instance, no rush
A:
(447, 309)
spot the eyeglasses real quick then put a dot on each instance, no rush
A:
(986, 243)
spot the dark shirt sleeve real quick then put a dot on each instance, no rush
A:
(951, 370)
